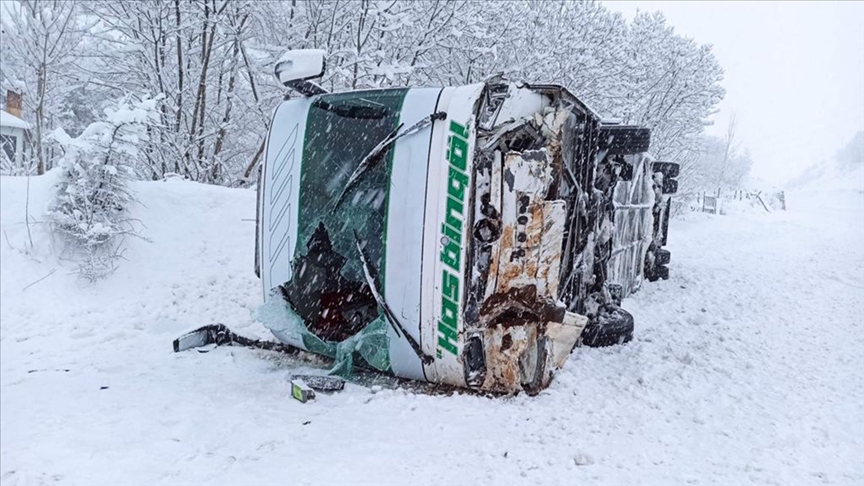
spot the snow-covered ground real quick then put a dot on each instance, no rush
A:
(747, 367)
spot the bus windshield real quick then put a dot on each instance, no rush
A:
(328, 289)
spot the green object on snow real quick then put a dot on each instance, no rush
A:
(371, 344)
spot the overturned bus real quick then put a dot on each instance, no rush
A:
(470, 236)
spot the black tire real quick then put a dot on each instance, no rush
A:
(669, 170)
(662, 257)
(670, 186)
(658, 272)
(626, 172)
(624, 139)
(612, 325)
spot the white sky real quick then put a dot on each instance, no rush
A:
(794, 74)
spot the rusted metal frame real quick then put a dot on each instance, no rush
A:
(572, 288)
(512, 362)
(604, 201)
(572, 225)
(514, 320)
(585, 227)
(571, 155)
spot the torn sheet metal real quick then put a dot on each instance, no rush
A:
(527, 332)
(526, 177)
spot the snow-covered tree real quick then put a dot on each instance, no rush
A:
(194, 53)
(90, 213)
(213, 61)
(673, 85)
(716, 164)
(40, 42)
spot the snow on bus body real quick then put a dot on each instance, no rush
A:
(634, 205)
(386, 272)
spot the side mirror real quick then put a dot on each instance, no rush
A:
(295, 68)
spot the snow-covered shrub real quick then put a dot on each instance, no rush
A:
(91, 210)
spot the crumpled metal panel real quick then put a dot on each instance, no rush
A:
(509, 353)
(562, 336)
(527, 332)
(524, 356)
(524, 216)
(549, 260)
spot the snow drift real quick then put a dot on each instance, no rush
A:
(745, 367)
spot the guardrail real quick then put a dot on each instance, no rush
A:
(711, 204)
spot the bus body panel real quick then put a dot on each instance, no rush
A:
(416, 207)
(405, 229)
(280, 181)
(460, 104)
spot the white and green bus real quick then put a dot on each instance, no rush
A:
(460, 235)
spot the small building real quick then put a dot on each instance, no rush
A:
(14, 132)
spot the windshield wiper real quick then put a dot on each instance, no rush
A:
(372, 280)
(374, 155)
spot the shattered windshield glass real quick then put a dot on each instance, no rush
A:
(328, 290)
